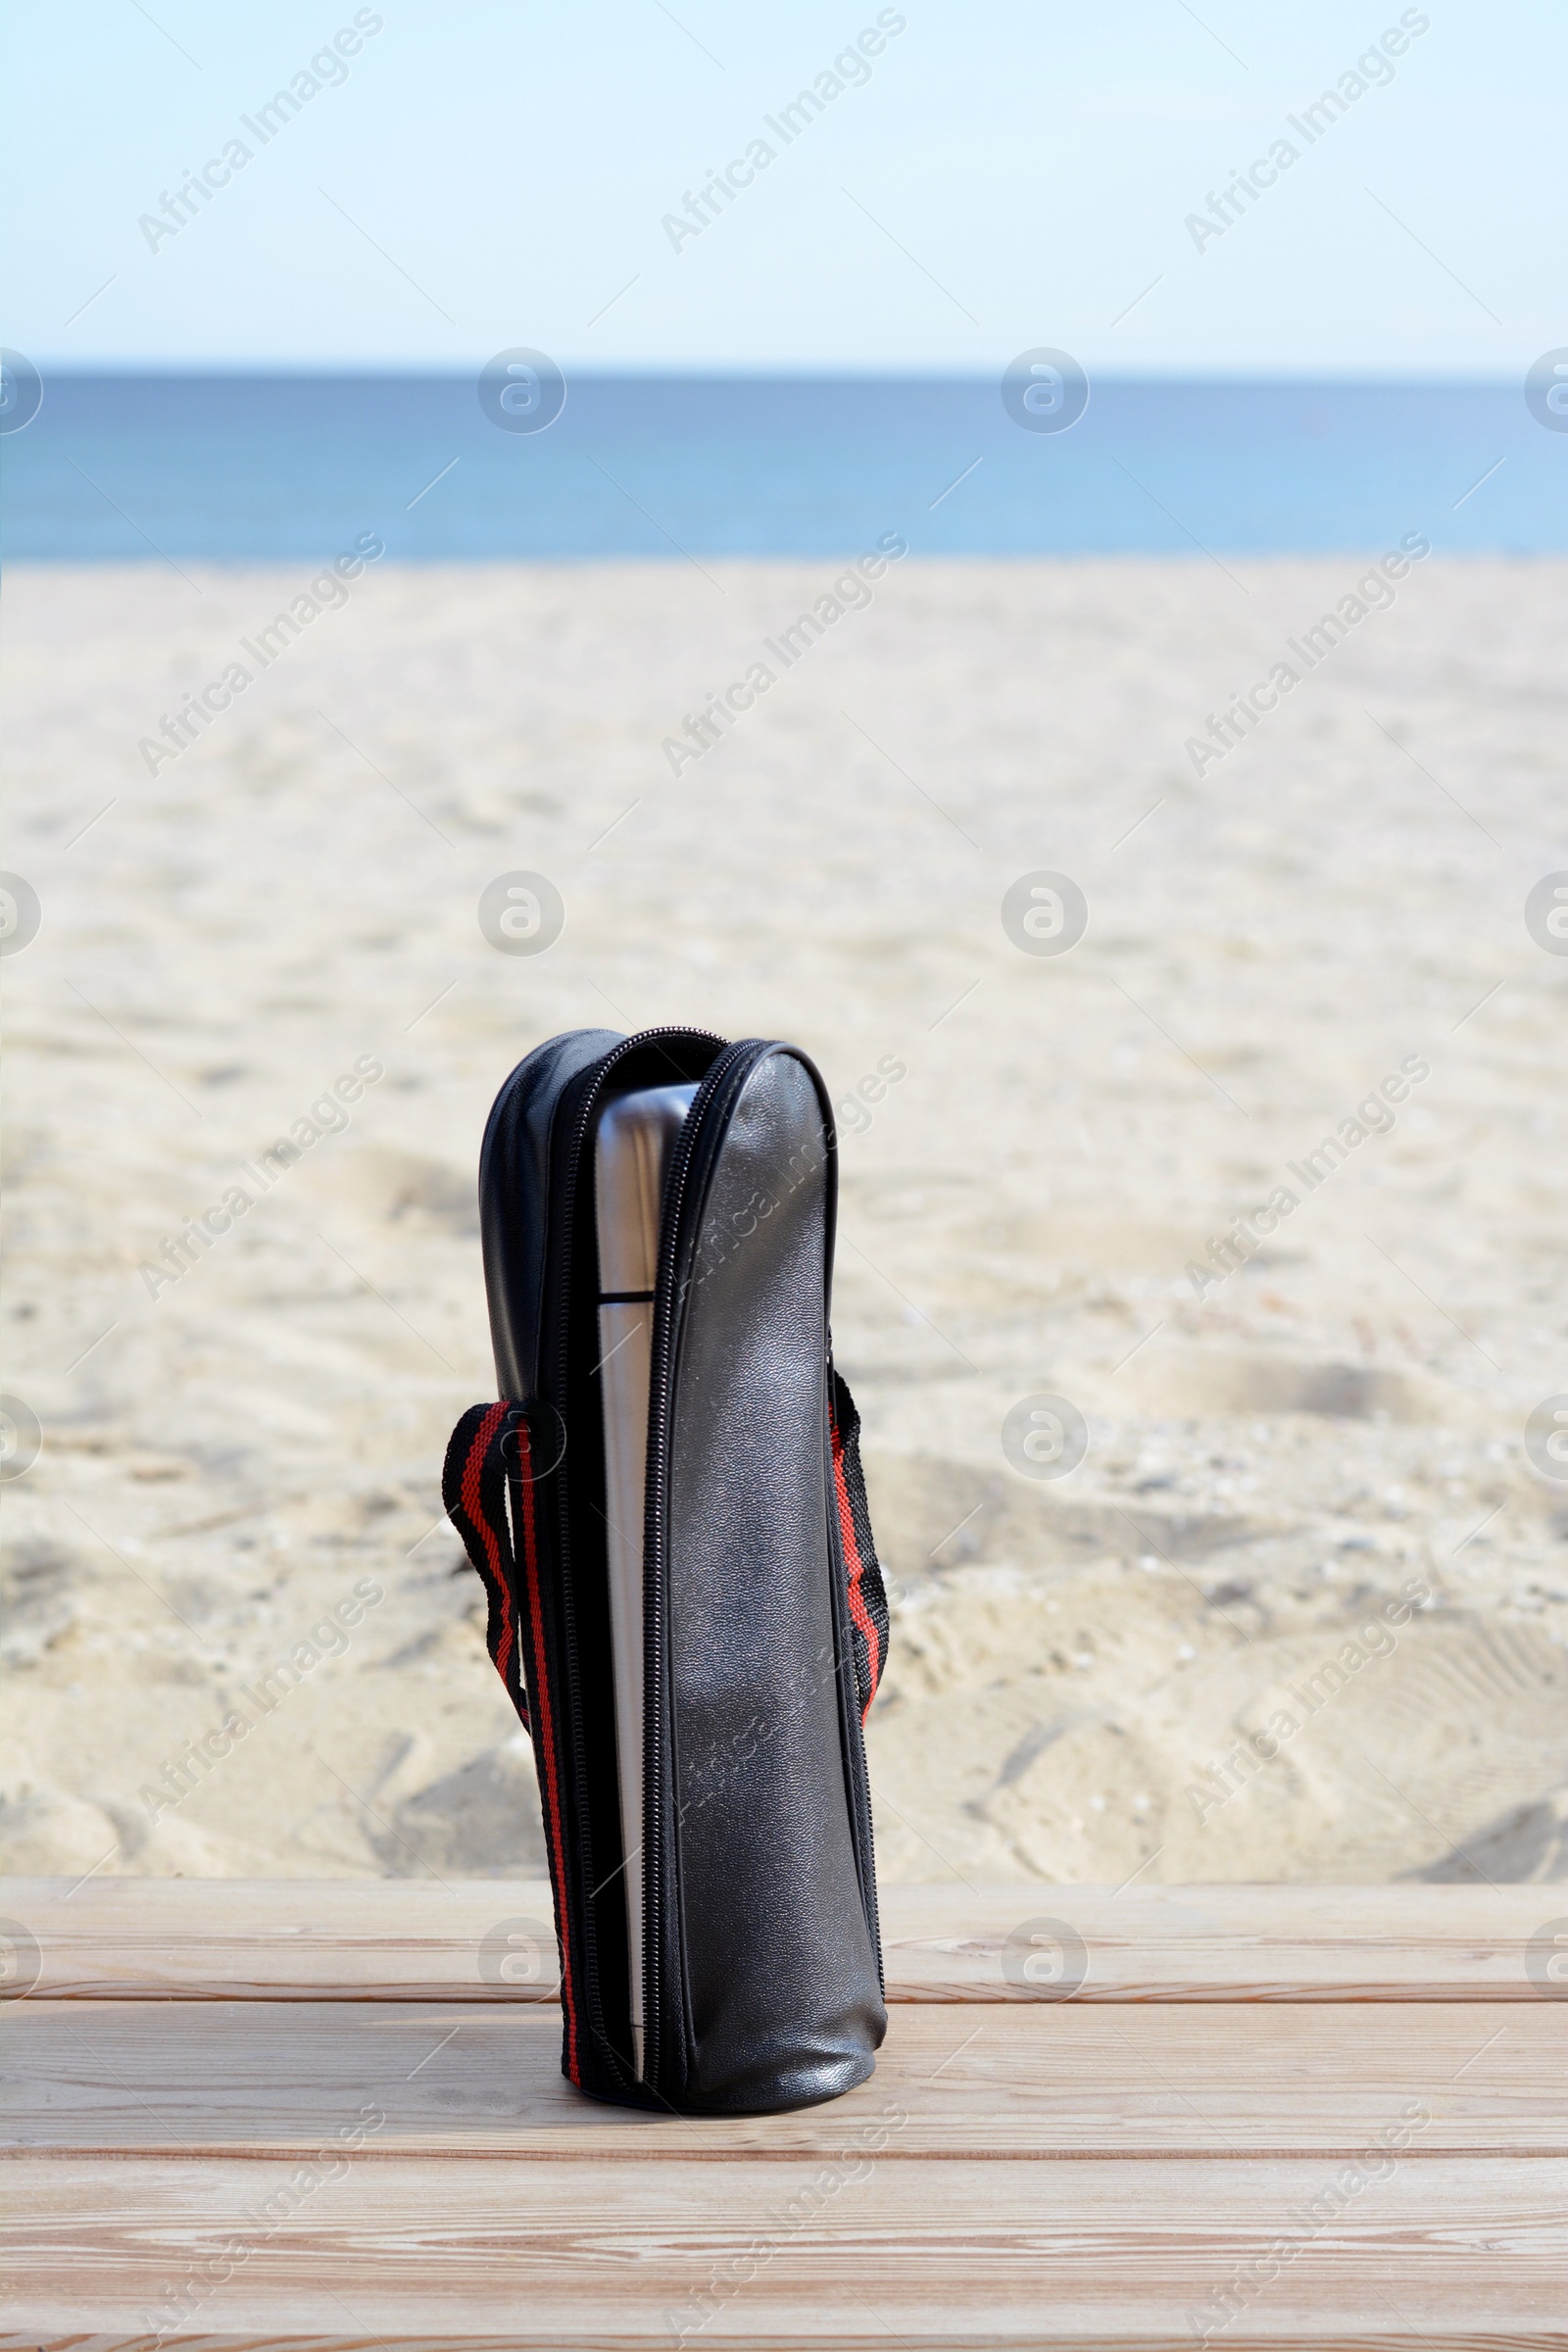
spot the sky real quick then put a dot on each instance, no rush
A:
(986, 180)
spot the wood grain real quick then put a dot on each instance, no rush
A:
(1006, 2083)
(400, 1940)
(324, 2115)
(866, 2253)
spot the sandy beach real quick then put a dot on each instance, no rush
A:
(1301, 1610)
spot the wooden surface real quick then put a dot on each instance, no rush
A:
(1075, 2254)
(1015, 2081)
(362, 2136)
(413, 1940)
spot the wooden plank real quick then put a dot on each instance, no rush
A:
(490, 1939)
(1218, 1944)
(1149, 2253)
(1006, 2082)
(360, 1939)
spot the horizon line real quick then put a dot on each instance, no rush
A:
(400, 371)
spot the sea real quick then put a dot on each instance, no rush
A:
(273, 466)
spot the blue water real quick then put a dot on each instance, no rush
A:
(247, 467)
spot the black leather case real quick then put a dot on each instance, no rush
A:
(765, 1621)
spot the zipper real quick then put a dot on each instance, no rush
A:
(565, 1218)
(677, 1247)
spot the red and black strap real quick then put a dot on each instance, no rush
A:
(474, 1487)
(863, 1571)
(488, 1487)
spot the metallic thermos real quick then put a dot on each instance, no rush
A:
(636, 1135)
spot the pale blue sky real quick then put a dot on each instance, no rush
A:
(1008, 175)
